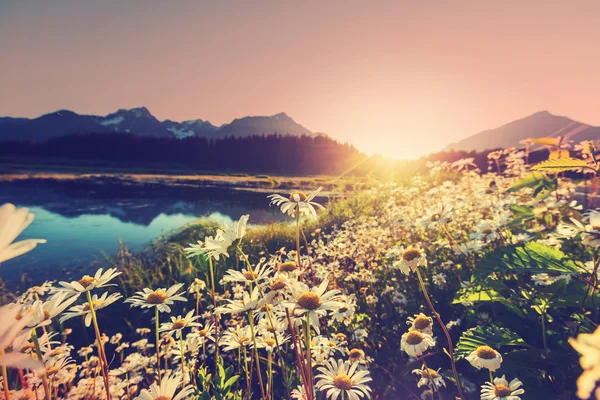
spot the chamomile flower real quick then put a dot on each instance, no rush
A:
(501, 389)
(197, 286)
(415, 343)
(166, 390)
(297, 202)
(178, 324)
(485, 357)
(248, 276)
(340, 378)
(299, 393)
(410, 260)
(84, 310)
(588, 345)
(87, 283)
(233, 339)
(430, 378)
(315, 302)
(9, 329)
(421, 323)
(248, 302)
(13, 221)
(161, 298)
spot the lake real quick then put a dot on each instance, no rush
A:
(83, 222)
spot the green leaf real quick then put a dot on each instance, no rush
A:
(531, 180)
(493, 336)
(532, 257)
(491, 291)
(561, 164)
(231, 381)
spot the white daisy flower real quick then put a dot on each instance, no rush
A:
(411, 259)
(485, 357)
(588, 345)
(297, 202)
(83, 310)
(501, 389)
(414, 343)
(178, 324)
(161, 298)
(343, 379)
(248, 302)
(421, 323)
(13, 221)
(430, 378)
(166, 390)
(87, 283)
(315, 302)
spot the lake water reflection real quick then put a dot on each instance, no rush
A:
(82, 224)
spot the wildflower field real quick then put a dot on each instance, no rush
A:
(457, 283)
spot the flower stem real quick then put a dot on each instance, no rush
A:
(308, 355)
(256, 357)
(491, 376)
(270, 374)
(214, 298)
(5, 378)
(298, 237)
(439, 319)
(156, 314)
(182, 361)
(38, 351)
(102, 356)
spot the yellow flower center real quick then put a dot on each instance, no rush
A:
(29, 395)
(52, 370)
(46, 315)
(502, 391)
(289, 266)
(429, 373)
(95, 304)
(300, 194)
(309, 300)
(356, 353)
(342, 382)
(179, 324)
(421, 322)
(270, 342)
(162, 398)
(203, 332)
(411, 254)
(86, 281)
(414, 338)
(331, 344)
(158, 297)
(278, 285)
(250, 275)
(341, 337)
(28, 346)
(243, 340)
(485, 352)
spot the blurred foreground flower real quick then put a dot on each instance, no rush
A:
(13, 221)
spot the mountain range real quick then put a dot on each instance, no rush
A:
(140, 121)
(540, 124)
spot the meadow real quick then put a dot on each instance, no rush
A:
(456, 283)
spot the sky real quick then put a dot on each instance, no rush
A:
(401, 78)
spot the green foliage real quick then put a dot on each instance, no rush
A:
(540, 183)
(562, 164)
(218, 386)
(492, 335)
(532, 257)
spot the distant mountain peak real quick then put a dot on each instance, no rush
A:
(539, 124)
(139, 121)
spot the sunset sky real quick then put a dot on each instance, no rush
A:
(402, 78)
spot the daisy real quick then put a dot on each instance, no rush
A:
(44, 311)
(13, 221)
(206, 333)
(269, 341)
(166, 390)
(9, 329)
(299, 393)
(160, 298)
(414, 343)
(421, 323)
(87, 283)
(342, 378)
(248, 276)
(248, 302)
(430, 378)
(236, 338)
(178, 324)
(411, 259)
(439, 280)
(197, 286)
(587, 344)
(315, 302)
(485, 357)
(83, 310)
(297, 202)
(218, 245)
(500, 389)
